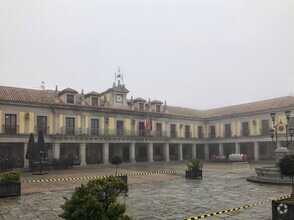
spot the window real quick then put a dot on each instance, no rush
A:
(70, 126)
(70, 99)
(245, 129)
(141, 106)
(94, 126)
(228, 130)
(42, 124)
(10, 124)
(141, 129)
(173, 131)
(265, 127)
(212, 132)
(94, 101)
(187, 131)
(120, 128)
(158, 129)
(200, 132)
(157, 108)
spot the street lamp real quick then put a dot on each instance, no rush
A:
(280, 128)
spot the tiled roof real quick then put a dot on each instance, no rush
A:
(180, 111)
(68, 90)
(93, 93)
(286, 102)
(139, 100)
(13, 94)
(33, 96)
(156, 102)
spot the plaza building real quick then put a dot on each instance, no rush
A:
(93, 127)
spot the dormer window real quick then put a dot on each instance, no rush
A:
(141, 106)
(94, 101)
(158, 108)
(70, 99)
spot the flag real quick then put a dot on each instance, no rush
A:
(150, 121)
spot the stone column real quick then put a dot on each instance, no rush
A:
(105, 153)
(166, 152)
(221, 149)
(237, 148)
(206, 152)
(194, 151)
(83, 154)
(26, 162)
(150, 152)
(56, 150)
(256, 151)
(180, 152)
(132, 153)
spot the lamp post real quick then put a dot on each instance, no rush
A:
(281, 129)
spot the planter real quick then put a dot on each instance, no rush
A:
(124, 178)
(10, 189)
(193, 174)
(282, 209)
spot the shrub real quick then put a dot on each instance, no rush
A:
(194, 164)
(8, 177)
(286, 166)
(96, 200)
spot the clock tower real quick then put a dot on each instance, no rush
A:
(119, 92)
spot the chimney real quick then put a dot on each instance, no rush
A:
(56, 97)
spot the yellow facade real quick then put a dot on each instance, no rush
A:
(221, 130)
(233, 128)
(258, 126)
(128, 126)
(21, 122)
(87, 122)
(111, 125)
(61, 120)
(79, 122)
(238, 128)
(32, 122)
(192, 131)
(51, 125)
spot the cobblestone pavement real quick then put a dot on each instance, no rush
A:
(163, 196)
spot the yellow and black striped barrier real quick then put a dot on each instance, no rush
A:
(99, 177)
(234, 209)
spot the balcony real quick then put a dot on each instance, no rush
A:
(44, 130)
(188, 135)
(245, 133)
(10, 130)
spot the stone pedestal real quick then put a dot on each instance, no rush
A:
(280, 152)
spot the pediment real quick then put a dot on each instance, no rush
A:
(120, 89)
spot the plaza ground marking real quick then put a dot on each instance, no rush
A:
(234, 209)
(102, 176)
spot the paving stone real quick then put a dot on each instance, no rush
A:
(153, 196)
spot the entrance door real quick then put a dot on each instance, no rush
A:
(126, 154)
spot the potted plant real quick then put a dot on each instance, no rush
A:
(284, 208)
(10, 184)
(194, 169)
(116, 160)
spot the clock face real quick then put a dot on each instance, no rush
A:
(119, 98)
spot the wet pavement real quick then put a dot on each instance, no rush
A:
(155, 196)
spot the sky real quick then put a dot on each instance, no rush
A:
(199, 54)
